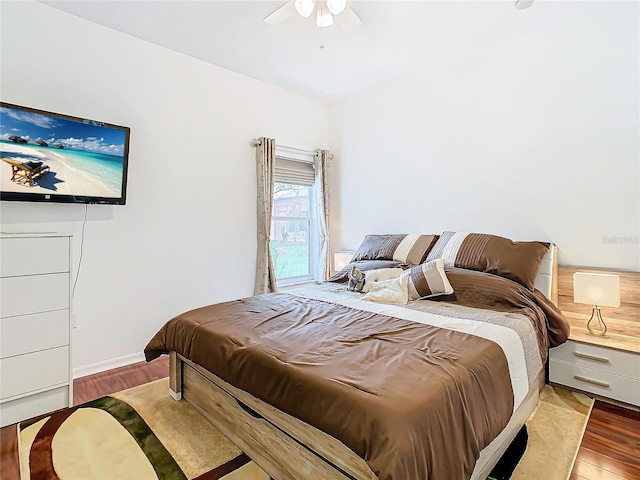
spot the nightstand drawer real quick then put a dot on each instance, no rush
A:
(598, 382)
(598, 358)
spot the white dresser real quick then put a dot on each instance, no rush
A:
(35, 327)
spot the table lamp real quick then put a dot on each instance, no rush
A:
(341, 260)
(599, 290)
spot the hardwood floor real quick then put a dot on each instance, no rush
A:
(101, 384)
(610, 449)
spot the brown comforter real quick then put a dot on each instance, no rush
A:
(486, 291)
(414, 401)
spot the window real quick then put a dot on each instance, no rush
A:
(293, 240)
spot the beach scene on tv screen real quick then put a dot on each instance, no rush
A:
(57, 156)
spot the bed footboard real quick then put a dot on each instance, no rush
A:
(283, 446)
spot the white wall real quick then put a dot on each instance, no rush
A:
(186, 237)
(530, 133)
(528, 130)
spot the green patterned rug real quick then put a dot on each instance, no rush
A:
(137, 434)
(141, 433)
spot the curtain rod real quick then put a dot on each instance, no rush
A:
(256, 143)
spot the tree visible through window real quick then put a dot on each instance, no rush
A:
(291, 232)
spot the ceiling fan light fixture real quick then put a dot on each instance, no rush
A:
(305, 7)
(522, 4)
(336, 7)
(324, 18)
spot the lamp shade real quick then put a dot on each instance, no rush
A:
(341, 260)
(598, 289)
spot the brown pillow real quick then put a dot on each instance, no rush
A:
(518, 261)
(411, 249)
(364, 266)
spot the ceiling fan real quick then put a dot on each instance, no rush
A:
(326, 12)
(522, 4)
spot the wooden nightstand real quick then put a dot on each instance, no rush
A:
(607, 368)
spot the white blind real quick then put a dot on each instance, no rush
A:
(294, 171)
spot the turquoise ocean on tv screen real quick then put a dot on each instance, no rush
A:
(107, 169)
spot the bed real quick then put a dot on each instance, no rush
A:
(322, 383)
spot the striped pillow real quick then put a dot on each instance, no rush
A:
(428, 280)
(411, 249)
(517, 261)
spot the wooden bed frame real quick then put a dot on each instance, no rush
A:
(289, 449)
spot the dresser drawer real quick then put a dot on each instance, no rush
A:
(20, 409)
(595, 381)
(34, 294)
(33, 371)
(36, 255)
(598, 358)
(30, 333)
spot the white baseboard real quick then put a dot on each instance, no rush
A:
(107, 365)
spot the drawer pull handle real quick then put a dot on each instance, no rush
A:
(591, 357)
(589, 380)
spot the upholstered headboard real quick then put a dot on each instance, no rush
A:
(547, 279)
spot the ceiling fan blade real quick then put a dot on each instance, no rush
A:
(348, 19)
(280, 14)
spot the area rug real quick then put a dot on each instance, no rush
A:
(141, 433)
(136, 434)
(555, 429)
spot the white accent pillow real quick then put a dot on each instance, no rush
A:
(380, 275)
(392, 291)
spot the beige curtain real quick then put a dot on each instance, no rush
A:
(322, 212)
(265, 161)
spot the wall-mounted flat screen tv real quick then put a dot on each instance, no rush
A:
(50, 157)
